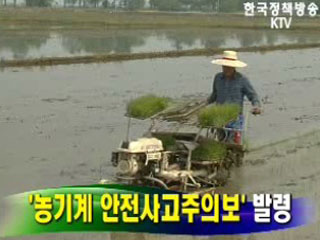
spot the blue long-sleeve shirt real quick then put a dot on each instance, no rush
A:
(233, 90)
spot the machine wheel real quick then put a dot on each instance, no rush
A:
(222, 175)
(239, 159)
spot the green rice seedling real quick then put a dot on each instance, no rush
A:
(210, 151)
(169, 142)
(218, 115)
(146, 106)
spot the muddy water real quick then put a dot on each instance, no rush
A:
(59, 125)
(18, 43)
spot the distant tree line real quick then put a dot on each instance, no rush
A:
(161, 5)
(198, 5)
(121, 4)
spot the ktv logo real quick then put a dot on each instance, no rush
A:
(281, 13)
(280, 22)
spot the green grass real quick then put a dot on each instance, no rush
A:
(88, 18)
(146, 106)
(101, 17)
(210, 151)
(218, 115)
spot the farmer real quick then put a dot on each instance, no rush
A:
(230, 86)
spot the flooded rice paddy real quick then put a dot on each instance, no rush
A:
(27, 43)
(59, 124)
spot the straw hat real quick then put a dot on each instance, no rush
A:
(229, 59)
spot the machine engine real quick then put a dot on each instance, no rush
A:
(146, 162)
(140, 157)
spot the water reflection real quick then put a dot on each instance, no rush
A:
(111, 42)
(18, 44)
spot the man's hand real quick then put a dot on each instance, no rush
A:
(256, 111)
